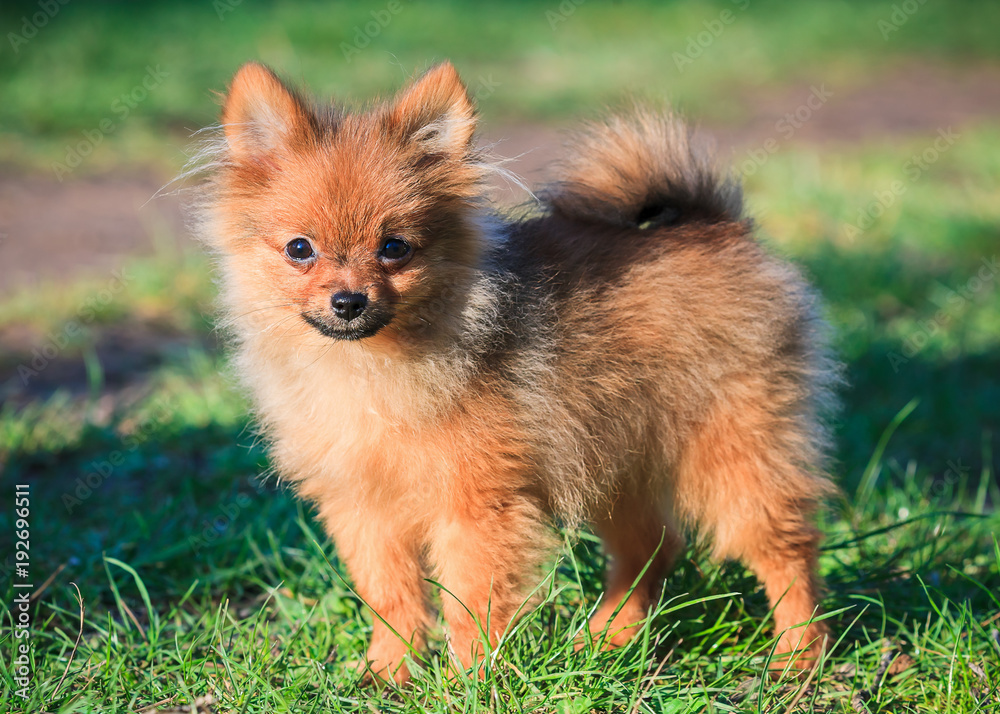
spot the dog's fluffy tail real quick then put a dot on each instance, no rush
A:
(641, 169)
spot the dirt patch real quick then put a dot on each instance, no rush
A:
(54, 231)
(910, 99)
(34, 364)
(51, 230)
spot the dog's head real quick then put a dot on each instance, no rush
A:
(354, 226)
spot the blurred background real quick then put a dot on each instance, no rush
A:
(867, 135)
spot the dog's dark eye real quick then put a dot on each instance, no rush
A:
(395, 251)
(299, 249)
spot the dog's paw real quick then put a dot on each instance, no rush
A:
(799, 650)
(382, 667)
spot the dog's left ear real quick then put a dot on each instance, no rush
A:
(261, 115)
(436, 111)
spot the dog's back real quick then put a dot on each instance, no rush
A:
(685, 368)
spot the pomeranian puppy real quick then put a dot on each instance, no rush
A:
(445, 385)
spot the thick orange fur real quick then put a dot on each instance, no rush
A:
(630, 357)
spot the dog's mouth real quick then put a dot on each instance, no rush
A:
(365, 326)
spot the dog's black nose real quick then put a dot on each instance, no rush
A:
(348, 306)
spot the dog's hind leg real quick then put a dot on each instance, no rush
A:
(742, 479)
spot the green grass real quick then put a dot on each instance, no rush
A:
(200, 580)
(524, 60)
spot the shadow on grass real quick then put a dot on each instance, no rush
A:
(169, 484)
(151, 488)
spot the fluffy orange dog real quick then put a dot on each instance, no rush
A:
(444, 384)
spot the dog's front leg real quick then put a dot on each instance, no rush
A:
(486, 549)
(385, 563)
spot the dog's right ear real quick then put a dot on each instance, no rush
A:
(436, 110)
(261, 115)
